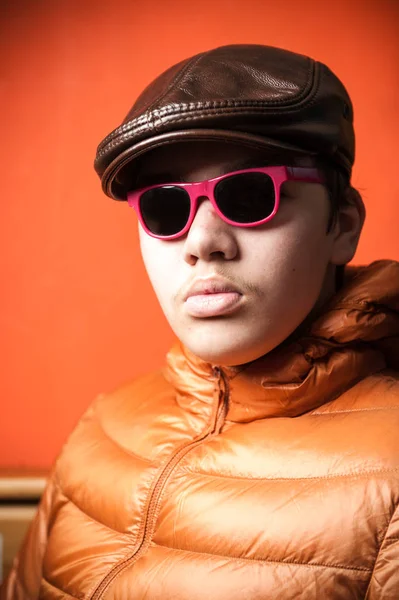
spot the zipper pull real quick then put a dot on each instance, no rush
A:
(224, 390)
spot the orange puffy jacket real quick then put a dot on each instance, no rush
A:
(275, 480)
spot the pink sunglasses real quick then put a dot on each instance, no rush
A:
(245, 198)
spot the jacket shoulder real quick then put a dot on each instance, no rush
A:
(137, 395)
(116, 425)
(364, 424)
(117, 417)
(379, 391)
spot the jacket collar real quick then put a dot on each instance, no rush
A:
(356, 335)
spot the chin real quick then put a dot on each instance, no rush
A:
(230, 342)
(223, 353)
(216, 358)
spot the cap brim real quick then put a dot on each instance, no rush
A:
(119, 174)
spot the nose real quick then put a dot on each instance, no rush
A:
(209, 237)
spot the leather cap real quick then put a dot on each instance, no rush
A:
(259, 96)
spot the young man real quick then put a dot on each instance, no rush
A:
(262, 462)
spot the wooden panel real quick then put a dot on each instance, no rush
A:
(20, 492)
(22, 487)
(14, 522)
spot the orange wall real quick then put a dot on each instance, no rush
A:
(77, 314)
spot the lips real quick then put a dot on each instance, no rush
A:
(211, 298)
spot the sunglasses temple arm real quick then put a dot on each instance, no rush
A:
(304, 174)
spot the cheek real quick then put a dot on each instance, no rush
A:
(304, 236)
(160, 259)
(303, 246)
(291, 260)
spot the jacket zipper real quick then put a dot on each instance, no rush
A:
(218, 421)
(223, 400)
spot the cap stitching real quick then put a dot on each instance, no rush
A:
(226, 106)
(214, 112)
(133, 126)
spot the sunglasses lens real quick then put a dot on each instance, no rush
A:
(165, 210)
(246, 197)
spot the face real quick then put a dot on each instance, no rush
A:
(233, 294)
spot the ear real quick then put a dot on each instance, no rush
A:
(347, 228)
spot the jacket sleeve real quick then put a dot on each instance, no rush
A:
(24, 580)
(384, 582)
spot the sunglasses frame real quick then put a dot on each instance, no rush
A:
(205, 188)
